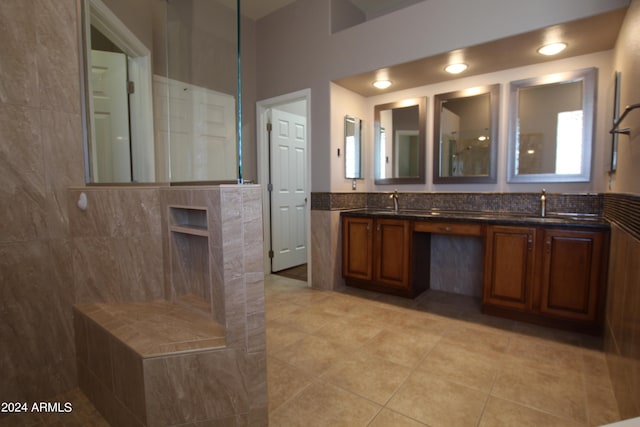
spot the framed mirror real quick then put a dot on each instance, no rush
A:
(400, 139)
(353, 148)
(466, 135)
(551, 127)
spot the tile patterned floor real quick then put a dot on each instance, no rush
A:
(357, 358)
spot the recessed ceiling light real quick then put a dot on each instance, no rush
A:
(382, 84)
(552, 49)
(456, 68)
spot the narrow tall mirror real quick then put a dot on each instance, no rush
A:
(466, 135)
(353, 148)
(400, 139)
(551, 127)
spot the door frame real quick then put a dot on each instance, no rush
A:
(263, 110)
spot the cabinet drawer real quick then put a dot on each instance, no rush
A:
(448, 228)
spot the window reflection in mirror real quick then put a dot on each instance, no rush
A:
(353, 148)
(551, 129)
(400, 129)
(466, 135)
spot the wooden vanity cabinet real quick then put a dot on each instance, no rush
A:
(509, 269)
(357, 248)
(573, 267)
(554, 277)
(391, 253)
(377, 254)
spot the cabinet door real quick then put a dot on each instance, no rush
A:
(357, 247)
(392, 249)
(571, 273)
(509, 266)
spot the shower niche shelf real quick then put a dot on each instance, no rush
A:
(188, 220)
(190, 269)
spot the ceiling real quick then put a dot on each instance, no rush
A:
(517, 51)
(511, 52)
(373, 8)
(256, 9)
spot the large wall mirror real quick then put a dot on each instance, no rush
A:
(120, 136)
(466, 135)
(551, 127)
(160, 91)
(400, 139)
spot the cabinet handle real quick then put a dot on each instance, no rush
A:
(548, 245)
(368, 227)
(530, 242)
(378, 227)
(445, 228)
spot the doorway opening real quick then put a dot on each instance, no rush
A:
(284, 171)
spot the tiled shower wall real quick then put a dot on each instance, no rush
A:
(117, 244)
(40, 157)
(47, 261)
(121, 253)
(622, 332)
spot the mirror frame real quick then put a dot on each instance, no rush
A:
(421, 102)
(358, 125)
(588, 77)
(494, 101)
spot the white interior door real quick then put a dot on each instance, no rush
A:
(214, 135)
(111, 139)
(289, 194)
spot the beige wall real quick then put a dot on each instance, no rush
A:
(296, 50)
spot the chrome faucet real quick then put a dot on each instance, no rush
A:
(543, 203)
(394, 196)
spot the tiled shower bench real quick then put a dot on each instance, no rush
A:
(132, 356)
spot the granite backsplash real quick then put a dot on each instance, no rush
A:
(526, 203)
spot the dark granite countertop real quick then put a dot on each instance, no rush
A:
(560, 219)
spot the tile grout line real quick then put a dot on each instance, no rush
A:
(495, 379)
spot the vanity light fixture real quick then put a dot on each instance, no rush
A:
(456, 68)
(552, 48)
(382, 84)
